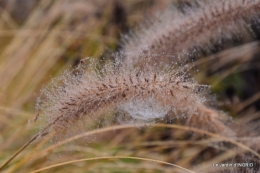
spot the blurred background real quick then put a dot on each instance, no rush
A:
(40, 39)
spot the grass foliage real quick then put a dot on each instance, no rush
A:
(178, 93)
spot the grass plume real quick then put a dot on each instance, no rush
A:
(139, 95)
(201, 25)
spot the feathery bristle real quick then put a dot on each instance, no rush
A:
(143, 95)
(175, 33)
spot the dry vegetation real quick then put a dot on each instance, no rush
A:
(141, 103)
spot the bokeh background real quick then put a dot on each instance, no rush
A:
(40, 39)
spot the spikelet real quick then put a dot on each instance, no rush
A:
(138, 95)
(199, 27)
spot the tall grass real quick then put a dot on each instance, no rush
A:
(149, 80)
